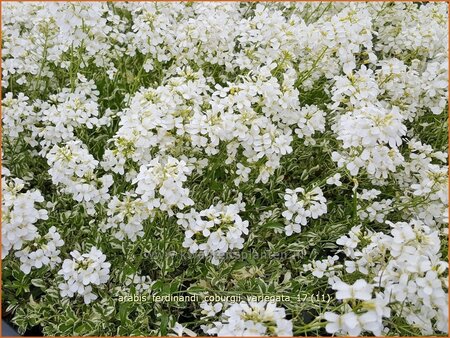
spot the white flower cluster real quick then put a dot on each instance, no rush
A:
(215, 230)
(64, 112)
(320, 268)
(189, 112)
(424, 183)
(372, 106)
(301, 206)
(34, 46)
(248, 319)
(426, 179)
(371, 131)
(126, 216)
(160, 184)
(47, 123)
(19, 215)
(82, 272)
(375, 210)
(405, 277)
(309, 120)
(17, 116)
(41, 251)
(140, 283)
(371, 309)
(133, 284)
(72, 167)
(137, 111)
(166, 119)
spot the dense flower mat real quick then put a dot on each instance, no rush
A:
(225, 168)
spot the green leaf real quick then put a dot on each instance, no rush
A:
(164, 322)
(38, 282)
(195, 290)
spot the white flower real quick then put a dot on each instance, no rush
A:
(214, 231)
(19, 214)
(335, 179)
(125, 217)
(180, 329)
(164, 176)
(141, 283)
(230, 92)
(73, 167)
(430, 284)
(83, 271)
(253, 319)
(359, 290)
(242, 173)
(344, 324)
(38, 252)
(311, 204)
(210, 310)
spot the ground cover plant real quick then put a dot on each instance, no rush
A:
(225, 168)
